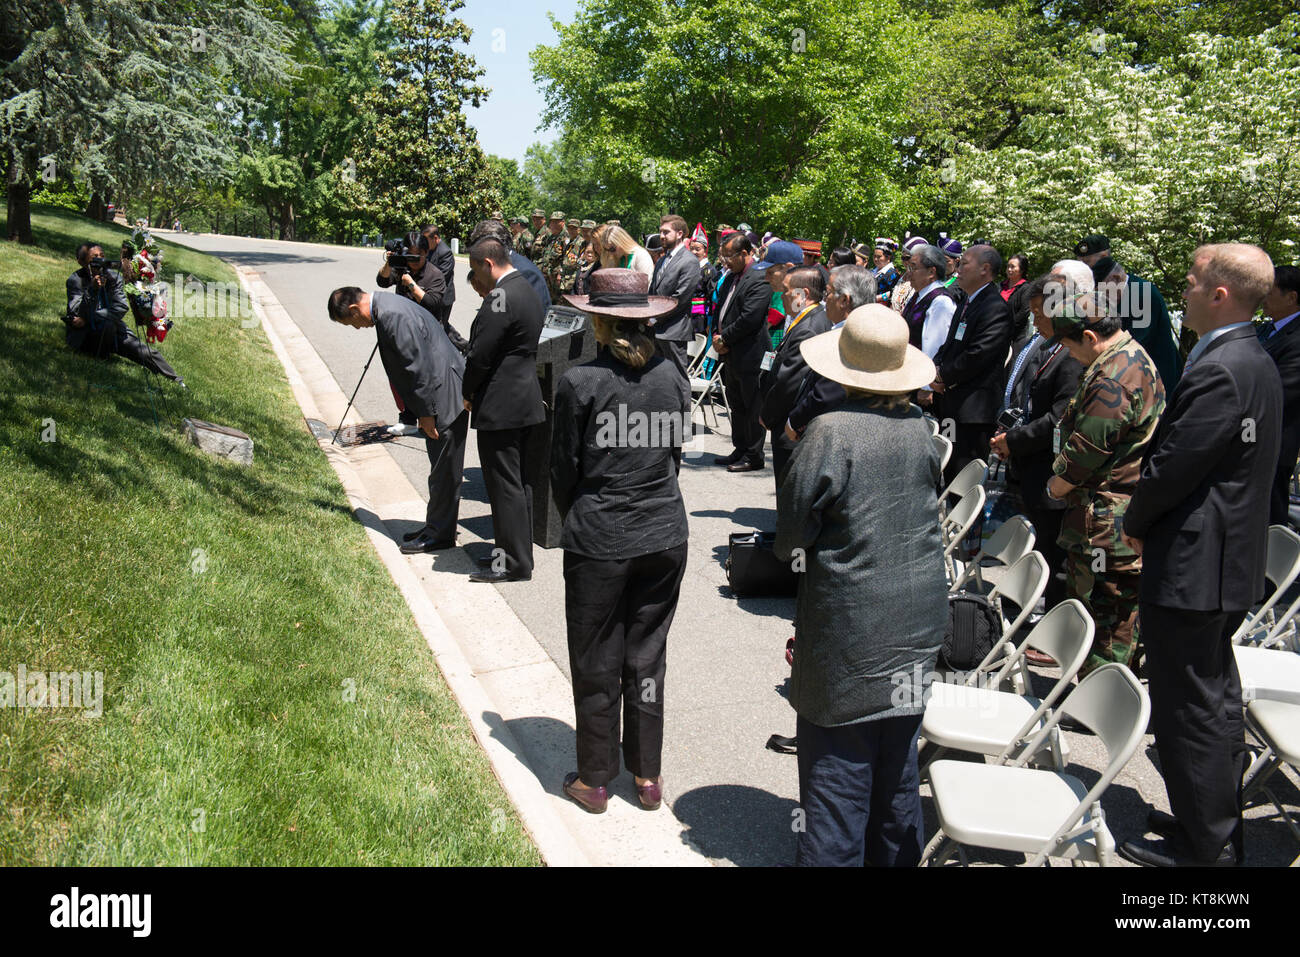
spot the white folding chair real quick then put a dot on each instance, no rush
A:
(1277, 725)
(1281, 567)
(1268, 673)
(709, 388)
(986, 720)
(944, 448)
(1013, 540)
(971, 475)
(1043, 813)
(695, 350)
(957, 523)
(1023, 584)
(932, 422)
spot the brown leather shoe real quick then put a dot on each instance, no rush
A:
(594, 800)
(1035, 657)
(651, 795)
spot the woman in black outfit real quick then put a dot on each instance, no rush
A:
(620, 421)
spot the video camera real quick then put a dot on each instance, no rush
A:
(98, 264)
(399, 257)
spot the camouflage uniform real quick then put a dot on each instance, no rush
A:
(572, 261)
(1103, 435)
(553, 255)
(538, 245)
(523, 243)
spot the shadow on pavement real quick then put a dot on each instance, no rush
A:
(743, 825)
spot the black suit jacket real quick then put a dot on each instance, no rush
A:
(676, 276)
(1201, 506)
(98, 307)
(1048, 380)
(535, 279)
(442, 257)
(972, 367)
(743, 323)
(501, 368)
(423, 366)
(1284, 349)
(780, 385)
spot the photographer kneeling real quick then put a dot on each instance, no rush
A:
(96, 305)
(407, 266)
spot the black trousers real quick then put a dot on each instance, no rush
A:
(1197, 718)
(859, 788)
(618, 615)
(446, 467)
(740, 379)
(674, 352)
(117, 339)
(1047, 528)
(444, 316)
(501, 455)
(971, 442)
(782, 449)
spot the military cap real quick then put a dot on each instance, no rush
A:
(1070, 316)
(588, 224)
(612, 222)
(519, 220)
(573, 222)
(499, 216)
(1096, 243)
(557, 215)
(724, 227)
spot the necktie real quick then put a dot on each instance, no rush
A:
(1265, 331)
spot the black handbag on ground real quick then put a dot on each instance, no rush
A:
(974, 628)
(754, 569)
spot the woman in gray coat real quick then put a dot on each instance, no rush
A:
(858, 512)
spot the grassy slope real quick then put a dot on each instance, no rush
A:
(225, 689)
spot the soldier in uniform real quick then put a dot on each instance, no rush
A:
(553, 252)
(572, 263)
(1099, 445)
(539, 236)
(523, 236)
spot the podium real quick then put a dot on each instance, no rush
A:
(567, 340)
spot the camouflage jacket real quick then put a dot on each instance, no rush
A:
(1103, 435)
(552, 257)
(524, 243)
(538, 248)
(571, 263)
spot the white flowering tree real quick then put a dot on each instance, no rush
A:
(1202, 147)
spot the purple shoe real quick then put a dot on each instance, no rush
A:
(651, 795)
(594, 800)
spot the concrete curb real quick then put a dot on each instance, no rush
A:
(503, 674)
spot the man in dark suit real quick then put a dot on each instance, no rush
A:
(96, 305)
(1199, 518)
(502, 392)
(1281, 339)
(972, 358)
(805, 316)
(425, 370)
(742, 341)
(441, 256)
(677, 275)
(420, 281)
(1044, 377)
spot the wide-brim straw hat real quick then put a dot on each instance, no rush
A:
(622, 294)
(870, 352)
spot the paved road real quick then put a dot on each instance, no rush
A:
(726, 670)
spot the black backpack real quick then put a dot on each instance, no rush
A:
(974, 628)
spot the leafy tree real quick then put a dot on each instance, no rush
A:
(518, 197)
(421, 161)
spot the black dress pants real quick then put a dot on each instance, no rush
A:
(674, 352)
(1047, 528)
(971, 442)
(1198, 722)
(501, 455)
(740, 379)
(782, 450)
(119, 340)
(446, 466)
(618, 615)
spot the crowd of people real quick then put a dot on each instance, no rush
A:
(1149, 499)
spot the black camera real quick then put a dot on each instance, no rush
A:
(1009, 419)
(399, 257)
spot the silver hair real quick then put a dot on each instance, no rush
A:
(856, 282)
(931, 257)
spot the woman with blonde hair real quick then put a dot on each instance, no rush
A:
(620, 421)
(619, 250)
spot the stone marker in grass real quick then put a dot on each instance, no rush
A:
(220, 440)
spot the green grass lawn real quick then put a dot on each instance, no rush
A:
(267, 700)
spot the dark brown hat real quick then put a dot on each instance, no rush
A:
(622, 294)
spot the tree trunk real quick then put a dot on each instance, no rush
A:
(19, 192)
(288, 227)
(95, 210)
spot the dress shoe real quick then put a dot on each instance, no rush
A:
(497, 578)
(745, 465)
(1035, 657)
(1172, 853)
(425, 544)
(594, 800)
(411, 536)
(731, 459)
(1159, 822)
(651, 795)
